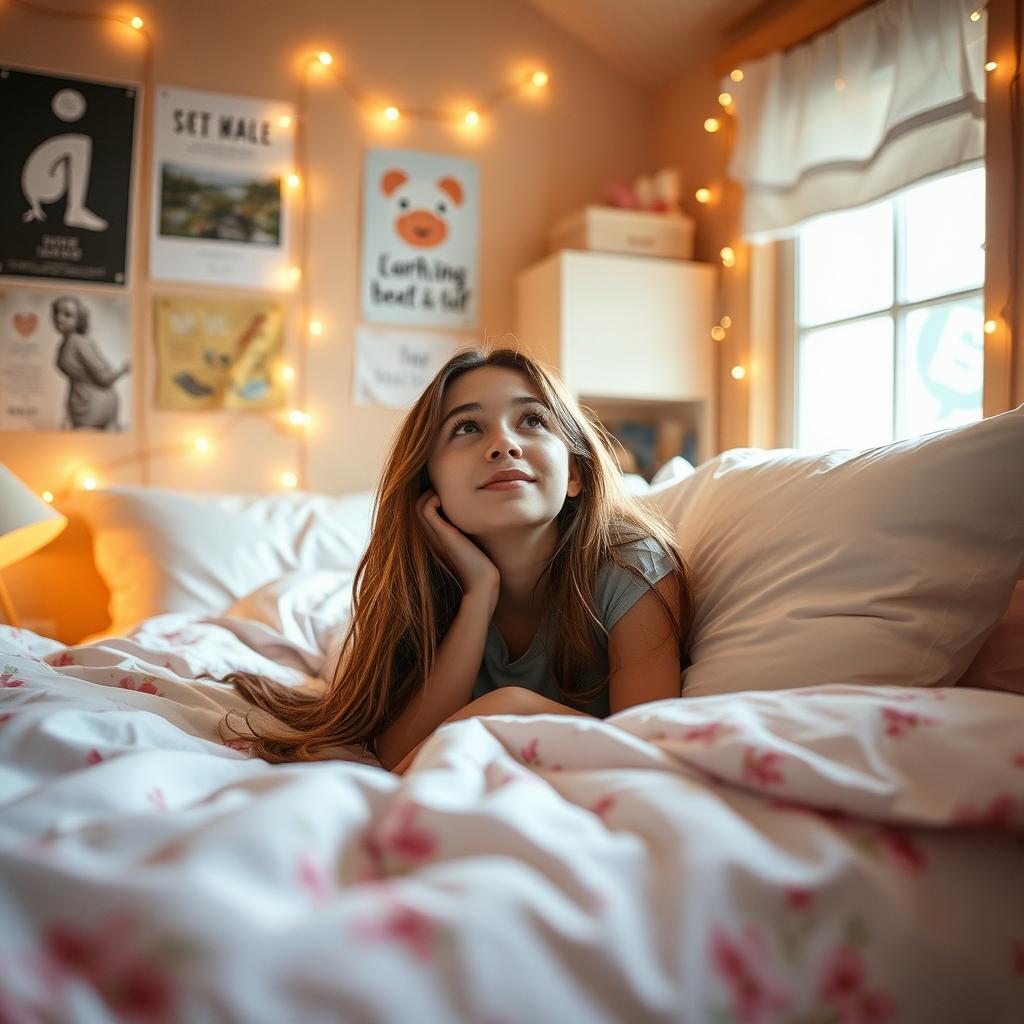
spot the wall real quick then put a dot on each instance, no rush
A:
(541, 155)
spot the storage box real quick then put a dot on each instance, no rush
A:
(634, 232)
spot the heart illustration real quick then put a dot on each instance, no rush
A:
(25, 323)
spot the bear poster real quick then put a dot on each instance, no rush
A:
(65, 177)
(220, 209)
(420, 232)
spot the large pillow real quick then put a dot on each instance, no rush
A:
(169, 551)
(999, 665)
(884, 566)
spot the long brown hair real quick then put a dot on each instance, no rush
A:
(405, 596)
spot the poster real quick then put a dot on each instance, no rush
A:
(393, 367)
(220, 207)
(65, 177)
(421, 215)
(65, 360)
(219, 353)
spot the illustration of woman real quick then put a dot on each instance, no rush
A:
(92, 400)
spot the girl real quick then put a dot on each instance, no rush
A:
(508, 572)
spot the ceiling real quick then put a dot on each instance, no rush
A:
(649, 41)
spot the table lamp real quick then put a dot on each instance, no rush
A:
(27, 523)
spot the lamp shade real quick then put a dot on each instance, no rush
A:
(27, 523)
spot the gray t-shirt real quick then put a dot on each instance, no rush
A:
(615, 592)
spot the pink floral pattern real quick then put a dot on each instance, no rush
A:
(902, 848)
(998, 814)
(843, 987)
(603, 806)
(741, 964)
(708, 734)
(132, 984)
(404, 924)
(146, 685)
(397, 838)
(529, 753)
(314, 877)
(798, 898)
(761, 769)
(8, 678)
(899, 723)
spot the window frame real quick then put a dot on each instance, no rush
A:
(790, 333)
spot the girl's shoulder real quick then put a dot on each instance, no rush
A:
(641, 550)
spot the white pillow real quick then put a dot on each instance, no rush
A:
(885, 566)
(168, 551)
(677, 468)
(311, 609)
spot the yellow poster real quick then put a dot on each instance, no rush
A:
(219, 353)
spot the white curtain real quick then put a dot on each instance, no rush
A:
(890, 96)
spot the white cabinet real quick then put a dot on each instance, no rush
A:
(630, 336)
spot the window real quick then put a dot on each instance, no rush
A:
(889, 317)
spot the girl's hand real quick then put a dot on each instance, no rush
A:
(476, 572)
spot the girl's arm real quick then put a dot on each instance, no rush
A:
(449, 686)
(643, 655)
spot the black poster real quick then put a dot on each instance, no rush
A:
(65, 177)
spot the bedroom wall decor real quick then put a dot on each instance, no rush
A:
(270, 249)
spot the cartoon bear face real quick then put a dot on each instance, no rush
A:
(421, 207)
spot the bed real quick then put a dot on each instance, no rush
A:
(828, 824)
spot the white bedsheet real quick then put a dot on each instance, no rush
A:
(839, 854)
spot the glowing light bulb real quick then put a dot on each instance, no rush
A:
(726, 322)
(711, 125)
(47, 496)
(293, 180)
(298, 417)
(718, 333)
(294, 273)
(991, 65)
(472, 117)
(725, 98)
(325, 58)
(289, 479)
(202, 444)
(136, 22)
(990, 327)
(702, 195)
(391, 113)
(975, 15)
(288, 373)
(738, 372)
(315, 327)
(728, 256)
(284, 121)
(89, 483)
(540, 79)
(736, 75)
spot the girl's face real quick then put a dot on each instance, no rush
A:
(494, 419)
(65, 317)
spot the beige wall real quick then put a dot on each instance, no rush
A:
(540, 156)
